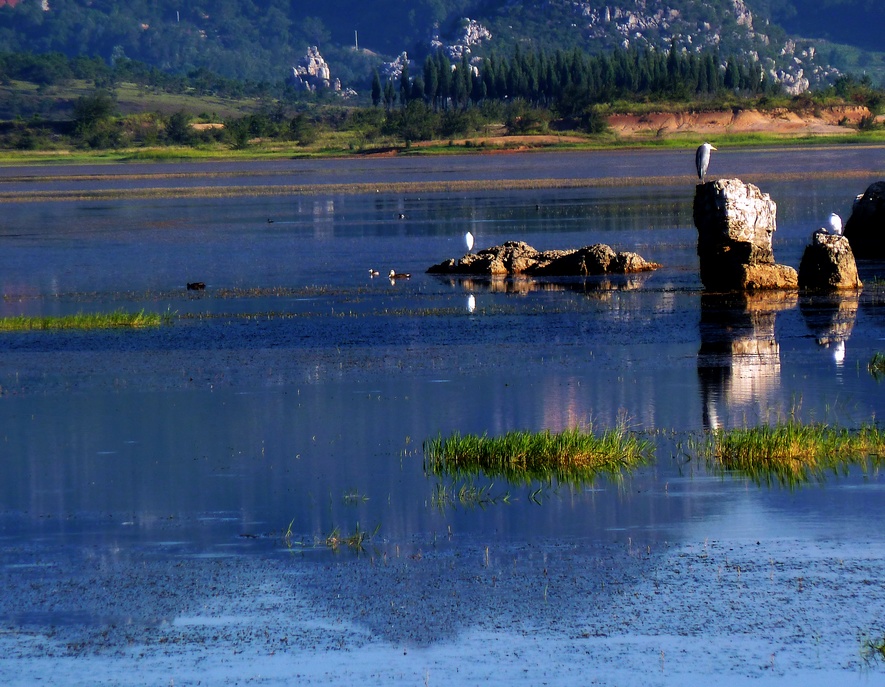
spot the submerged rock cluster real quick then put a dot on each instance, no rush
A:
(519, 258)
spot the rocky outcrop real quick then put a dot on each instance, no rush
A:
(313, 73)
(865, 229)
(516, 257)
(828, 264)
(735, 223)
(471, 33)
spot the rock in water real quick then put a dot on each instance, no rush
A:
(735, 223)
(865, 229)
(517, 257)
(828, 264)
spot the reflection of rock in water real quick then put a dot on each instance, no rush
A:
(739, 358)
(830, 318)
(598, 286)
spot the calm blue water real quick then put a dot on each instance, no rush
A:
(297, 389)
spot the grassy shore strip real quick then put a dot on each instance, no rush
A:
(571, 456)
(416, 187)
(792, 452)
(86, 321)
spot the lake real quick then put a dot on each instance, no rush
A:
(170, 496)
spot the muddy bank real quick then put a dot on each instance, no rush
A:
(632, 612)
(780, 121)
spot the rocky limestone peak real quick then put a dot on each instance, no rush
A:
(313, 73)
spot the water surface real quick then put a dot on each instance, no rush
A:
(295, 392)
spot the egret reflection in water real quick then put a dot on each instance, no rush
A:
(739, 364)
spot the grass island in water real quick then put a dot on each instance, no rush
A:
(792, 452)
(111, 320)
(571, 456)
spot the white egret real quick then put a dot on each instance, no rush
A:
(702, 160)
(468, 239)
(398, 275)
(471, 303)
(834, 224)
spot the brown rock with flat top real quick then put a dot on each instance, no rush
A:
(828, 264)
(735, 223)
(865, 229)
(516, 257)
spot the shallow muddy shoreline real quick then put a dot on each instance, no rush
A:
(735, 610)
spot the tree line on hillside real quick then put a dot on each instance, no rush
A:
(570, 81)
(525, 91)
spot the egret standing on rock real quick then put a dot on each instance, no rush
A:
(834, 224)
(468, 239)
(702, 160)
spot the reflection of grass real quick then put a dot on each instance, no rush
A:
(876, 366)
(570, 456)
(355, 540)
(353, 497)
(791, 452)
(468, 495)
(110, 320)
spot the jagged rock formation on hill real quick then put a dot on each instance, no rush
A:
(472, 34)
(313, 73)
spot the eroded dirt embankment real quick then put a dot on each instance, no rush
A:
(830, 121)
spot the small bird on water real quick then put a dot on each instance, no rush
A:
(398, 275)
(702, 159)
(373, 273)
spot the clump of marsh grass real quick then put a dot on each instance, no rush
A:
(792, 452)
(876, 366)
(87, 321)
(572, 456)
(873, 650)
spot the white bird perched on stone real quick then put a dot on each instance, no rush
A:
(468, 239)
(702, 159)
(834, 224)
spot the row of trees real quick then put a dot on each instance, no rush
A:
(570, 81)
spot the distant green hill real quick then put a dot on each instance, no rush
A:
(260, 40)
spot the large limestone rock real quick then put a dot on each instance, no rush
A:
(865, 229)
(735, 223)
(517, 257)
(828, 264)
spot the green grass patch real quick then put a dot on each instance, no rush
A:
(572, 456)
(876, 366)
(792, 453)
(87, 321)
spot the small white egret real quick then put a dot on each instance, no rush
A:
(471, 303)
(468, 239)
(702, 159)
(834, 224)
(398, 275)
